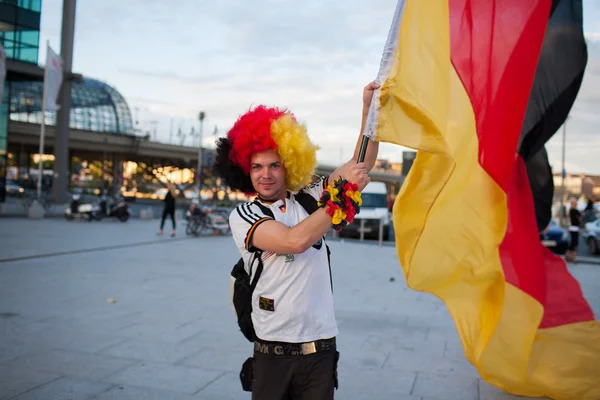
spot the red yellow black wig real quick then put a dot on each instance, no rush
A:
(259, 130)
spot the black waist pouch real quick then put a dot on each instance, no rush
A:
(247, 374)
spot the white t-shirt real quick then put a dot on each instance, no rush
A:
(293, 300)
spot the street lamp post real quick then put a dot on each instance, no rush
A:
(201, 116)
(563, 174)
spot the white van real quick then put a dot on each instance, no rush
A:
(374, 207)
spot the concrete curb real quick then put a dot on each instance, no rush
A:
(586, 260)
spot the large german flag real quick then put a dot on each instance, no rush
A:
(456, 78)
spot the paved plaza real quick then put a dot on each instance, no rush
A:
(111, 311)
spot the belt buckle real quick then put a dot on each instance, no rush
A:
(308, 348)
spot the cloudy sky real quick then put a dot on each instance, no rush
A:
(314, 57)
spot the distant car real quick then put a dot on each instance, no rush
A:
(13, 188)
(555, 238)
(374, 210)
(591, 236)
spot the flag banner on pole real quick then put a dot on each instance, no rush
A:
(53, 77)
(456, 78)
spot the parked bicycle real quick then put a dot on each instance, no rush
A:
(199, 220)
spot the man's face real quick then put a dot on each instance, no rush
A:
(268, 175)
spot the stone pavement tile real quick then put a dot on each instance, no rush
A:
(228, 359)
(172, 315)
(367, 359)
(226, 387)
(454, 350)
(448, 335)
(421, 347)
(167, 377)
(106, 322)
(128, 392)
(229, 338)
(385, 324)
(16, 327)
(151, 350)
(489, 392)
(11, 348)
(66, 389)
(53, 235)
(431, 319)
(349, 346)
(79, 365)
(16, 381)
(64, 338)
(413, 309)
(357, 383)
(173, 333)
(446, 387)
(409, 360)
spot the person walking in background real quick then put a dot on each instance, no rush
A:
(575, 222)
(169, 209)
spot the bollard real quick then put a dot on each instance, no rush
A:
(380, 231)
(146, 213)
(362, 229)
(36, 211)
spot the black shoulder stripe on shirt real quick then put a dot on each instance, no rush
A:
(247, 214)
(251, 214)
(242, 214)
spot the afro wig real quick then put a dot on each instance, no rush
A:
(259, 130)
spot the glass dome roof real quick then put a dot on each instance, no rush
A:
(96, 106)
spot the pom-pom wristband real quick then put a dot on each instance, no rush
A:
(342, 201)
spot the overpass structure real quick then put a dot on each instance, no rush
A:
(24, 139)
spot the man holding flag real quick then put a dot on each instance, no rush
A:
(268, 153)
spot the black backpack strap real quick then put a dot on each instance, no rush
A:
(329, 262)
(259, 270)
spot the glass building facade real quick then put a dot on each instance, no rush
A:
(20, 29)
(20, 39)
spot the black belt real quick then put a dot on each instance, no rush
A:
(294, 349)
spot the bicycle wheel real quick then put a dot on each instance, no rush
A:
(198, 226)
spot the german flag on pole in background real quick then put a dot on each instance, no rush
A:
(456, 78)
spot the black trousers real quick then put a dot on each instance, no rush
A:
(167, 211)
(306, 377)
(574, 240)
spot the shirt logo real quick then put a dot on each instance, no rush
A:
(288, 257)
